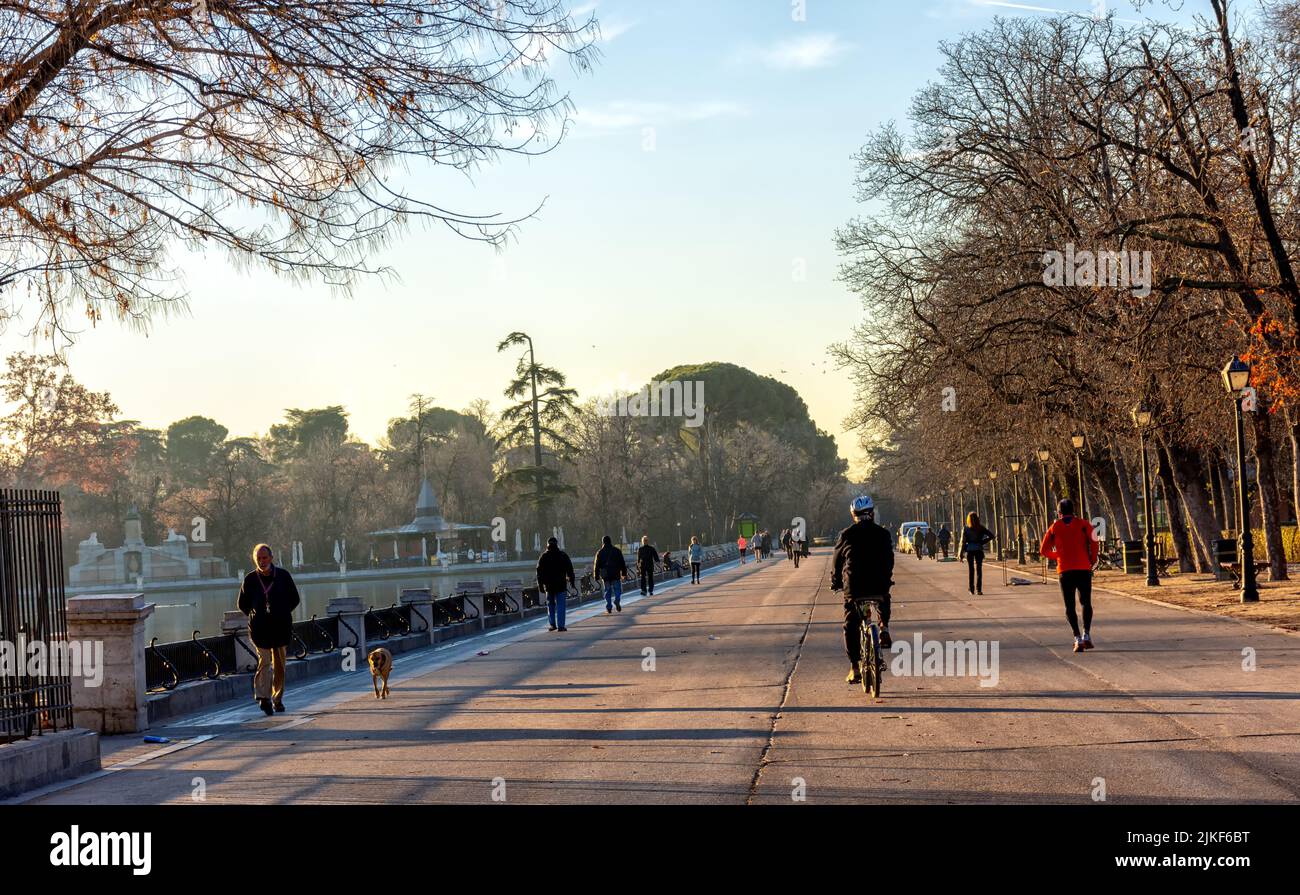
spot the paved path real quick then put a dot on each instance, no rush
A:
(746, 703)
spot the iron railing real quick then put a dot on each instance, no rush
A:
(167, 665)
(394, 621)
(33, 609)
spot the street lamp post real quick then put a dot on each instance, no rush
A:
(1142, 418)
(979, 510)
(1080, 441)
(1236, 378)
(952, 510)
(997, 516)
(1020, 525)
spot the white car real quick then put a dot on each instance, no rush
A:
(905, 534)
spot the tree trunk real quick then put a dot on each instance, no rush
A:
(1125, 486)
(1221, 514)
(1174, 505)
(1266, 463)
(1188, 472)
(1104, 476)
(1232, 501)
(1283, 465)
(1293, 429)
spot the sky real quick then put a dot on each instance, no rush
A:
(689, 216)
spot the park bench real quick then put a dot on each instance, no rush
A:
(1163, 560)
(1110, 554)
(1235, 570)
(675, 571)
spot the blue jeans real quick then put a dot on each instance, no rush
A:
(555, 608)
(613, 593)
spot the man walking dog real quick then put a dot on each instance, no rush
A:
(268, 597)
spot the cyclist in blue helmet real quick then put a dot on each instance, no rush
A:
(863, 567)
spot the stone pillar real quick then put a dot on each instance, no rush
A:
(354, 614)
(235, 622)
(118, 704)
(421, 602)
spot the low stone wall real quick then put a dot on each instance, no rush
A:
(194, 696)
(50, 758)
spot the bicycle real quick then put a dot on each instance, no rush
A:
(872, 655)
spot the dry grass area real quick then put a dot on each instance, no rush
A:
(1279, 601)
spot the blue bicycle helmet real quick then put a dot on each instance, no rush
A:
(861, 505)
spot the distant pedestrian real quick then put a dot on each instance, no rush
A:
(974, 537)
(742, 544)
(931, 543)
(611, 568)
(646, 557)
(918, 541)
(554, 578)
(787, 539)
(1071, 543)
(268, 597)
(671, 566)
(945, 538)
(696, 554)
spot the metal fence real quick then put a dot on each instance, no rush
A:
(202, 658)
(167, 665)
(32, 610)
(392, 621)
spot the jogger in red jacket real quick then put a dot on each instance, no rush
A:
(1071, 543)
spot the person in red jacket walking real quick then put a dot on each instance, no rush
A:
(1071, 543)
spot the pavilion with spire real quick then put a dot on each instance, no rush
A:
(428, 534)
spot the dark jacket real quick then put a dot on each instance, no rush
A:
(646, 557)
(610, 564)
(973, 540)
(270, 616)
(944, 536)
(864, 561)
(554, 570)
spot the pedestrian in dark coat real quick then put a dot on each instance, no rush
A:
(974, 537)
(646, 557)
(611, 568)
(554, 578)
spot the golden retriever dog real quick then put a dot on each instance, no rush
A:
(381, 666)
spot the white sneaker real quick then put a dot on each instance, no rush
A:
(1078, 645)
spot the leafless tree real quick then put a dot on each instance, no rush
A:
(278, 133)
